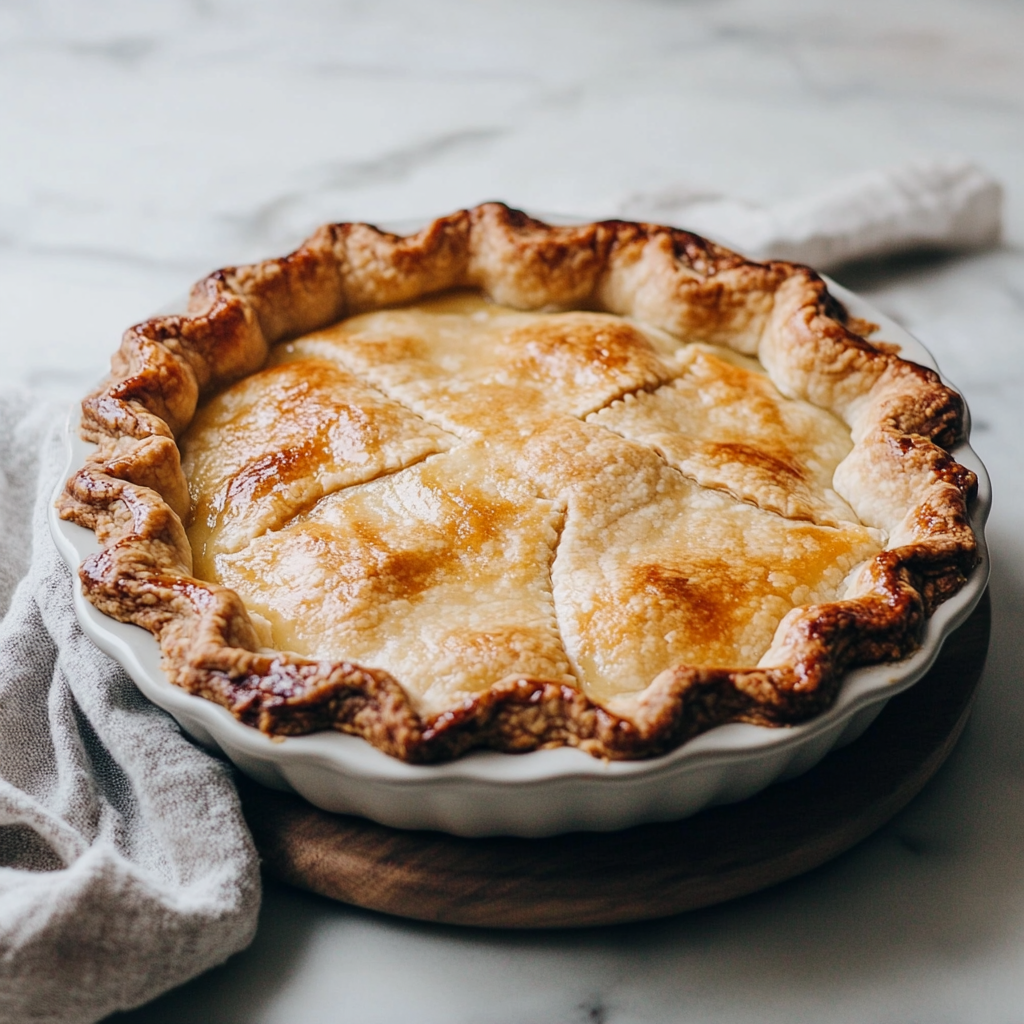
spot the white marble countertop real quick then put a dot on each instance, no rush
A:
(145, 144)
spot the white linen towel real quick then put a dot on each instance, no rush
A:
(950, 205)
(125, 864)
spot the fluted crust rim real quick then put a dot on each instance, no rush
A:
(899, 476)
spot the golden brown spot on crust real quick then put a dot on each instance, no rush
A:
(584, 347)
(298, 390)
(704, 596)
(745, 454)
(459, 522)
(261, 476)
(363, 565)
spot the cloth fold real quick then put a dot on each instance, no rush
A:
(947, 204)
(125, 864)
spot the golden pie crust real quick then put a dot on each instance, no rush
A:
(605, 485)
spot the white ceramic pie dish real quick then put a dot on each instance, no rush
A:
(548, 791)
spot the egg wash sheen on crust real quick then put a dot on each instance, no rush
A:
(461, 493)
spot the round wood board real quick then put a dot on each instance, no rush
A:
(592, 878)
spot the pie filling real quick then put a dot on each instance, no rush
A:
(461, 493)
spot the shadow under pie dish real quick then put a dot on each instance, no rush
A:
(506, 485)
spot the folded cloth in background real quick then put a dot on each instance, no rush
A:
(949, 205)
(125, 864)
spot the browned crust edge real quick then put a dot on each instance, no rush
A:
(133, 494)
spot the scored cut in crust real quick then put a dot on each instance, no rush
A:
(622, 450)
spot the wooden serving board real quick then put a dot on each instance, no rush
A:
(645, 872)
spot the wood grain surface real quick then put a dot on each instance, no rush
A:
(645, 872)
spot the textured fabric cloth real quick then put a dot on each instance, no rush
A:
(125, 863)
(926, 204)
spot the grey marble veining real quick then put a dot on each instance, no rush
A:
(144, 144)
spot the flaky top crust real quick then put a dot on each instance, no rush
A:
(899, 477)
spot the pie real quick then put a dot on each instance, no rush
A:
(503, 484)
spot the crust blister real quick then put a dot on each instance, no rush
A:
(897, 478)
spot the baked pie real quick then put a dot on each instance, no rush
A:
(503, 484)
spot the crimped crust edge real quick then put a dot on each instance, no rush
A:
(133, 494)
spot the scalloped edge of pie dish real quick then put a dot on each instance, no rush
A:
(543, 792)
